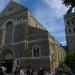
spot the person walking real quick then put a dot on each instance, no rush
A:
(41, 71)
(69, 71)
(17, 71)
(4, 69)
(58, 71)
(22, 71)
(1, 71)
(29, 71)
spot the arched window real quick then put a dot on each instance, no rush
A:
(69, 31)
(9, 33)
(36, 51)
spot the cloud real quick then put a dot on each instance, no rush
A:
(60, 34)
(63, 43)
(58, 8)
(49, 21)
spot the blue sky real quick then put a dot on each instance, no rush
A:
(48, 12)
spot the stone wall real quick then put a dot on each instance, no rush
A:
(38, 37)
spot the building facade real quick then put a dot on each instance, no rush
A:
(69, 20)
(23, 40)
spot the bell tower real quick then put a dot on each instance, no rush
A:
(69, 20)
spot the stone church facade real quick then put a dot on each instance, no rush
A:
(23, 40)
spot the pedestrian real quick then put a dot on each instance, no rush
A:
(29, 70)
(4, 70)
(1, 71)
(47, 72)
(41, 71)
(22, 71)
(17, 71)
(69, 71)
(56, 71)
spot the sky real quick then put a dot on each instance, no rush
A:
(48, 12)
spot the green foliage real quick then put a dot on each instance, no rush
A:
(70, 61)
(70, 3)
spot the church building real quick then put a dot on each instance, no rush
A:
(69, 20)
(23, 40)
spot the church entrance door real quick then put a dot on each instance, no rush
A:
(7, 60)
(8, 64)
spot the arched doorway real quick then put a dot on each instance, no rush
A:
(7, 59)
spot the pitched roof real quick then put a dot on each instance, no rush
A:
(11, 8)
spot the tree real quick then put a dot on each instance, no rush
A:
(70, 3)
(70, 61)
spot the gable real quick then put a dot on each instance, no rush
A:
(12, 8)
